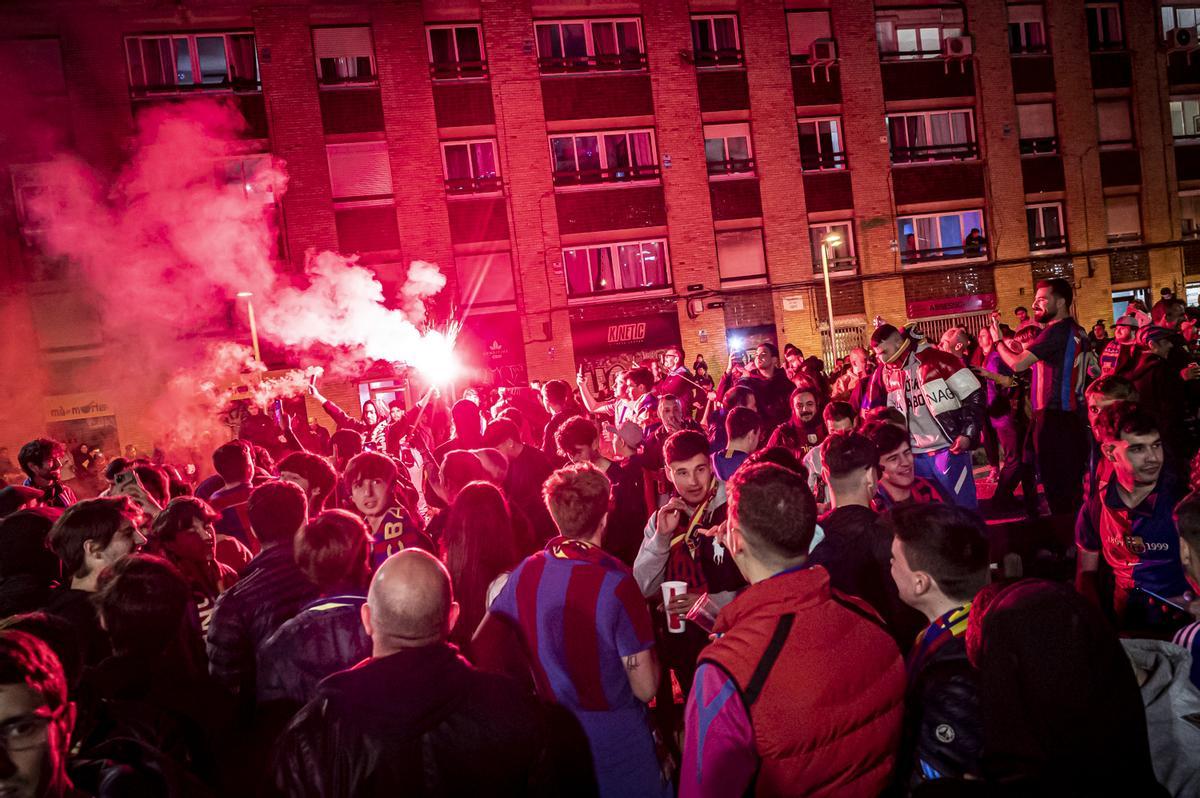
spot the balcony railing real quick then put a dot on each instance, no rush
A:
(977, 249)
(935, 152)
(457, 186)
(1027, 49)
(458, 70)
(1046, 145)
(846, 264)
(1048, 243)
(1119, 239)
(236, 85)
(819, 161)
(733, 166)
(356, 80)
(552, 65)
(618, 174)
(910, 55)
(719, 58)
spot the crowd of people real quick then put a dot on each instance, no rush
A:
(783, 582)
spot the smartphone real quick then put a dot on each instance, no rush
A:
(1162, 600)
(279, 412)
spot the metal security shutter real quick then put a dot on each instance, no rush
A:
(342, 42)
(359, 170)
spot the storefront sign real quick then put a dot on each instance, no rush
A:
(606, 335)
(492, 345)
(66, 407)
(951, 306)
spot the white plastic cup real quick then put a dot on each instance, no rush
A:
(670, 590)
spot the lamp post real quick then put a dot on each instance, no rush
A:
(246, 295)
(828, 242)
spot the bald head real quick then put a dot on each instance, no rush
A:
(410, 604)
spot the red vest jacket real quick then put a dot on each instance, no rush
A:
(822, 681)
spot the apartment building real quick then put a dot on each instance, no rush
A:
(601, 180)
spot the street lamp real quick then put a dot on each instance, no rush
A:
(828, 242)
(246, 295)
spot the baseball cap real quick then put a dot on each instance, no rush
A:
(628, 431)
(1127, 320)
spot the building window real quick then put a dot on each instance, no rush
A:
(841, 257)
(727, 149)
(614, 156)
(1180, 18)
(590, 45)
(456, 52)
(485, 280)
(360, 171)
(610, 268)
(821, 145)
(1037, 129)
(1185, 119)
(941, 236)
(470, 166)
(1045, 225)
(344, 55)
(252, 174)
(740, 256)
(810, 36)
(932, 136)
(911, 33)
(1189, 214)
(1116, 129)
(192, 61)
(1104, 26)
(716, 40)
(1026, 29)
(1124, 219)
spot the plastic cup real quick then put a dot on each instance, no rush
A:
(704, 613)
(670, 590)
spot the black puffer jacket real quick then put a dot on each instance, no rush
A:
(421, 722)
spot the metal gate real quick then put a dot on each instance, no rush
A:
(848, 337)
(934, 328)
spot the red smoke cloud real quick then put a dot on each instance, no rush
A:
(166, 246)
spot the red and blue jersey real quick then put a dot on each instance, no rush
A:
(1140, 543)
(581, 613)
(1060, 373)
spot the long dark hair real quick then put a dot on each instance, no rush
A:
(477, 546)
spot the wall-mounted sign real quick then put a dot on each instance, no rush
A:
(951, 306)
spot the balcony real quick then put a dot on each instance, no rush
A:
(1111, 70)
(1187, 161)
(1120, 168)
(623, 209)
(822, 161)
(597, 96)
(351, 109)
(828, 191)
(935, 152)
(963, 251)
(927, 79)
(477, 219)
(1046, 145)
(1183, 69)
(938, 182)
(710, 59)
(743, 167)
(463, 104)
(735, 199)
(723, 90)
(572, 64)
(458, 70)
(616, 174)
(1048, 244)
(1033, 74)
(252, 107)
(1043, 174)
(462, 186)
(817, 85)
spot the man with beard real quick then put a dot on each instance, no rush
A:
(41, 460)
(943, 404)
(853, 383)
(677, 380)
(1057, 358)
(767, 379)
(1129, 522)
(1121, 351)
(805, 429)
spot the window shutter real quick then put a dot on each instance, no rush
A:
(339, 42)
(359, 170)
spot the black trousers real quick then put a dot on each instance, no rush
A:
(1060, 451)
(1015, 469)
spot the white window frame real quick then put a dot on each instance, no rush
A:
(837, 156)
(888, 24)
(803, 57)
(1038, 145)
(1061, 233)
(1185, 137)
(972, 143)
(1186, 230)
(842, 265)
(1124, 237)
(343, 60)
(724, 132)
(1171, 16)
(1023, 27)
(758, 278)
(478, 186)
(435, 73)
(592, 64)
(1119, 43)
(194, 55)
(615, 260)
(963, 232)
(714, 58)
(603, 152)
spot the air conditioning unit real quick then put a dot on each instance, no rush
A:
(1182, 39)
(957, 46)
(822, 51)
